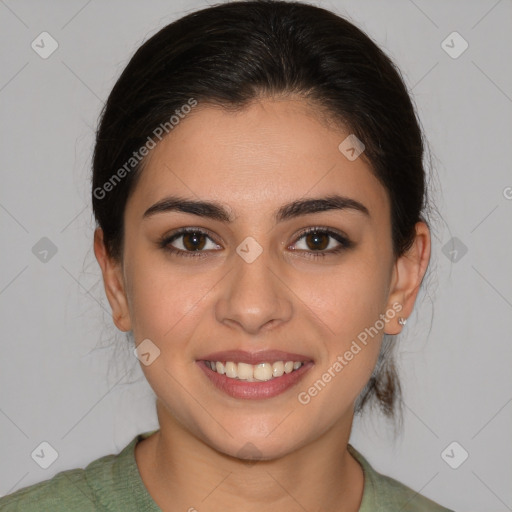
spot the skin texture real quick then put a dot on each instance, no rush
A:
(253, 161)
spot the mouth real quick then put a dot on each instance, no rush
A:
(254, 375)
(261, 372)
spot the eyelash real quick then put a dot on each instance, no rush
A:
(344, 242)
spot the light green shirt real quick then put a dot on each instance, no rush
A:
(113, 483)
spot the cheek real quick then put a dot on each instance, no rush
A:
(347, 305)
(346, 300)
(157, 300)
(167, 303)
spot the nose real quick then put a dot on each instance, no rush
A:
(254, 296)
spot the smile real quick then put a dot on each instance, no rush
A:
(253, 373)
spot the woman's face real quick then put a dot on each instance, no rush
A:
(253, 284)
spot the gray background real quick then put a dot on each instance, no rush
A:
(68, 377)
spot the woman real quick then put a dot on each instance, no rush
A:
(259, 194)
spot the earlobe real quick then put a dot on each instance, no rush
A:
(408, 274)
(113, 283)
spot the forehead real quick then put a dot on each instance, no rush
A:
(269, 152)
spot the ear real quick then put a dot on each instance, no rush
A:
(408, 273)
(114, 283)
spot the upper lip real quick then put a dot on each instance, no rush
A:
(263, 356)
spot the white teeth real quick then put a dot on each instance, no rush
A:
(231, 370)
(260, 372)
(278, 369)
(263, 371)
(245, 371)
(288, 367)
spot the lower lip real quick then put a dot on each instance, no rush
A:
(255, 390)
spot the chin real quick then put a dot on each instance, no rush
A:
(251, 446)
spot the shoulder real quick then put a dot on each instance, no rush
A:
(385, 494)
(106, 484)
(396, 494)
(68, 490)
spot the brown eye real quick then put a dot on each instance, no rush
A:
(194, 241)
(317, 241)
(189, 242)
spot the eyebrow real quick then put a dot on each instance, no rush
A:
(216, 211)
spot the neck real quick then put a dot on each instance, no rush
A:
(182, 472)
